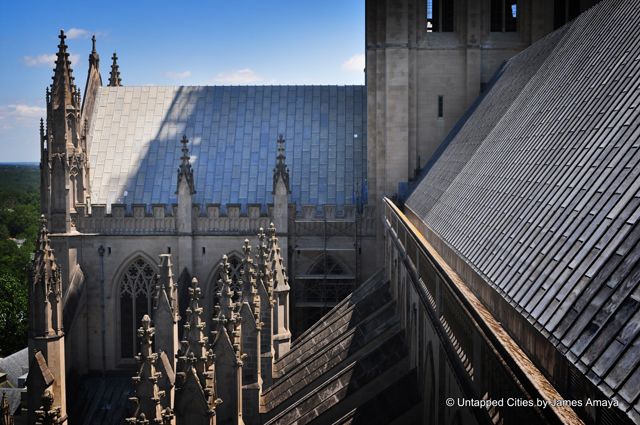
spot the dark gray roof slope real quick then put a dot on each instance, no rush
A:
(134, 142)
(100, 401)
(539, 192)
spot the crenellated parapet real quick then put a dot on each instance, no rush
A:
(217, 219)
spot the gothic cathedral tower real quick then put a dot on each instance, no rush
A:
(64, 164)
(427, 61)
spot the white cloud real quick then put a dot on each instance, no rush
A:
(239, 77)
(27, 111)
(39, 60)
(354, 64)
(21, 114)
(181, 75)
(77, 33)
(46, 60)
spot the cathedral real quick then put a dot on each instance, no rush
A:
(455, 242)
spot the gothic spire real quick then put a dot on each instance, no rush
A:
(196, 362)
(114, 76)
(264, 268)
(281, 171)
(45, 287)
(43, 139)
(194, 341)
(249, 284)
(62, 89)
(225, 309)
(278, 269)
(166, 286)
(147, 394)
(184, 170)
(93, 45)
(282, 335)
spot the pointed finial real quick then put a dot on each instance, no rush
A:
(281, 147)
(62, 87)
(281, 171)
(43, 222)
(94, 58)
(246, 248)
(185, 171)
(185, 149)
(114, 76)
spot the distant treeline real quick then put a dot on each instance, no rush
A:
(19, 222)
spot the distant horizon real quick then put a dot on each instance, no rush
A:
(20, 163)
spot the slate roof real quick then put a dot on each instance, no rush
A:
(14, 397)
(538, 190)
(15, 365)
(100, 401)
(135, 132)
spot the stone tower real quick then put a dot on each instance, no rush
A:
(64, 163)
(46, 379)
(427, 61)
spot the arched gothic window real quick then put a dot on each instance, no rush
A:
(328, 281)
(235, 269)
(137, 288)
(325, 284)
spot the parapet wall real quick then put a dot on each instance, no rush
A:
(214, 219)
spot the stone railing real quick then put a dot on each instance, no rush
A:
(487, 363)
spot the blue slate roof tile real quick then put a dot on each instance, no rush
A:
(134, 142)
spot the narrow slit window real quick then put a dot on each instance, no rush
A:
(439, 15)
(504, 15)
(440, 106)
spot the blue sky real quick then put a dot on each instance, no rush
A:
(172, 43)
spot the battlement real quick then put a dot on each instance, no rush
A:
(211, 219)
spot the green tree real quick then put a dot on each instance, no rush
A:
(19, 212)
(13, 314)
